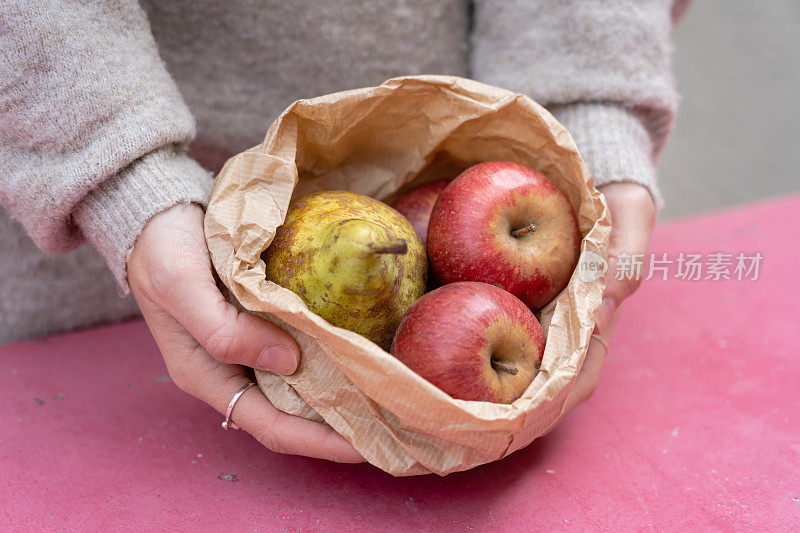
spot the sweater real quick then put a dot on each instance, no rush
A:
(111, 112)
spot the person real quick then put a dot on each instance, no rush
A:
(113, 115)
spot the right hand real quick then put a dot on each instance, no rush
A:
(205, 341)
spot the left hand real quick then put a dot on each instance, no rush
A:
(633, 215)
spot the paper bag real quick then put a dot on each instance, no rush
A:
(380, 141)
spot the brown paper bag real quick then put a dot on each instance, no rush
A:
(379, 141)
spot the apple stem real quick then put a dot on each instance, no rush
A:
(530, 228)
(500, 366)
(395, 246)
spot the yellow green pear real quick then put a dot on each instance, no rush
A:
(354, 261)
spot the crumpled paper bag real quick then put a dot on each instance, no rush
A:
(380, 141)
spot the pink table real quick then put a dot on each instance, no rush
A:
(695, 425)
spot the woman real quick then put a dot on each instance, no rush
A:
(112, 115)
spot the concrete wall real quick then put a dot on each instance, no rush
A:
(737, 137)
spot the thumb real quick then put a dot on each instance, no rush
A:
(632, 213)
(229, 335)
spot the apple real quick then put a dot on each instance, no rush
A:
(472, 340)
(505, 224)
(416, 205)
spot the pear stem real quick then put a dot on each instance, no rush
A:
(395, 246)
(500, 366)
(530, 228)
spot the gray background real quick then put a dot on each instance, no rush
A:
(737, 136)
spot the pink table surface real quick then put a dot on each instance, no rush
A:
(694, 426)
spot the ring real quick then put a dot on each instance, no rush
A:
(228, 423)
(601, 340)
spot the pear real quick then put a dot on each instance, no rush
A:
(354, 261)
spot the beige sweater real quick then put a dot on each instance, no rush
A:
(111, 112)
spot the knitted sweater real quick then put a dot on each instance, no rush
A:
(111, 112)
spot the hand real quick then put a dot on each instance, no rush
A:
(633, 215)
(205, 340)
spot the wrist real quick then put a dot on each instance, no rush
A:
(113, 215)
(613, 142)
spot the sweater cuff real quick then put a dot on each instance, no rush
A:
(113, 215)
(613, 142)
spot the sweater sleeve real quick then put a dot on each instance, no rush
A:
(92, 128)
(601, 67)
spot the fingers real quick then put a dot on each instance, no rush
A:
(229, 335)
(589, 375)
(216, 383)
(632, 216)
(194, 371)
(278, 431)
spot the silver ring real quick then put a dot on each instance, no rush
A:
(228, 423)
(601, 340)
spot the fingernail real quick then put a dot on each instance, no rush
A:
(607, 308)
(278, 359)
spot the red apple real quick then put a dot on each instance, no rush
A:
(472, 340)
(505, 224)
(416, 205)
